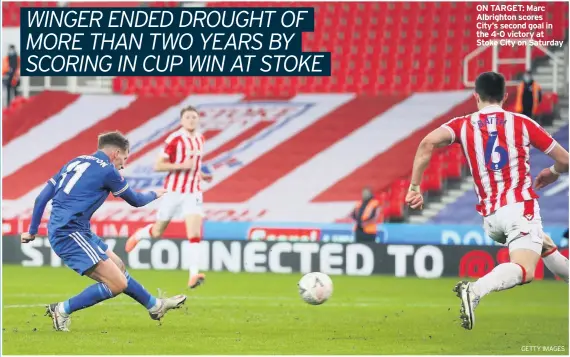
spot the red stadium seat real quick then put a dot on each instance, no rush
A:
(383, 47)
(163, 4)
(11, 10)
(452, 166)
(432, 180)
(104, 4)
(394, 210)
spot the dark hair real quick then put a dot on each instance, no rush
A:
(491, 87)
(188, 109)
(114, 138)
(12, 47)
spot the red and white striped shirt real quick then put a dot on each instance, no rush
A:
(179, 147)
(496, 144)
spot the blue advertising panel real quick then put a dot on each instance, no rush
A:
(389, 233)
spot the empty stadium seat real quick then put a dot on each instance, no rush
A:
(453, 163)
(104, 4)
(11, 10)
(383, 47)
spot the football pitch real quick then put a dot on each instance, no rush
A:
(263, 314)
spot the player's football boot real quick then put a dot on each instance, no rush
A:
(469, 302)
(131, 243)
(60, 323)
(174, 302)
(196, 280)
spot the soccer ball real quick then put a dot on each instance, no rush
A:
(315, 288)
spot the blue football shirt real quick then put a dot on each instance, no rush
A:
(81, 187)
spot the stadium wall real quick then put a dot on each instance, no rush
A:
(354, 259)
(388, 233)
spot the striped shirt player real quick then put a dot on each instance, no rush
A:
(496, 144)
(183, 186)
(181, 157)
(77, 191)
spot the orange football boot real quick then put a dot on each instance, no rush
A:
(196, 280)
(131, 243)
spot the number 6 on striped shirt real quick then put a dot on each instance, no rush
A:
(496, 156)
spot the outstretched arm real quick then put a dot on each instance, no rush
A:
(39, 207)
(164, 165)
(542, 140)
(551, 174)
(440, 137)
(138, 199)
(560, 156)
(115, 183)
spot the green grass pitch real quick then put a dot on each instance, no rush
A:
(262, 314)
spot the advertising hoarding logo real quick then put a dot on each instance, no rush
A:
(284, 234)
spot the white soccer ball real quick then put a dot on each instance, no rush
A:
(315, 288)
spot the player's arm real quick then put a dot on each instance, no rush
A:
(560, 157)
(541, 140)
(440, 137)
(115, 183)
(138, 199)
(551, 174)
(163, 164)
(165, 161)
(39, 208)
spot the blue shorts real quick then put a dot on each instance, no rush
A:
(79, 250)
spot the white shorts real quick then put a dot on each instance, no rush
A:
(179, 205)
(517, 225)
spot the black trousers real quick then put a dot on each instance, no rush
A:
(527, 111)
(11, 91)
(362, 237)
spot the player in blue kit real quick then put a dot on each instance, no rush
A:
(78, 190)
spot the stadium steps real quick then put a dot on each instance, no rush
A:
(544, 73)
(432, 208)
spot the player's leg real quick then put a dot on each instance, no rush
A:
(193, 215)
(157, 307)
(520, 270)
(82, 254)
(524, 238)
(151, 230)
(167, 208)
(194, 234)
(553, 260)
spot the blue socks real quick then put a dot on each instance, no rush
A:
(100, 292)
(88, 297)
(139, 293)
